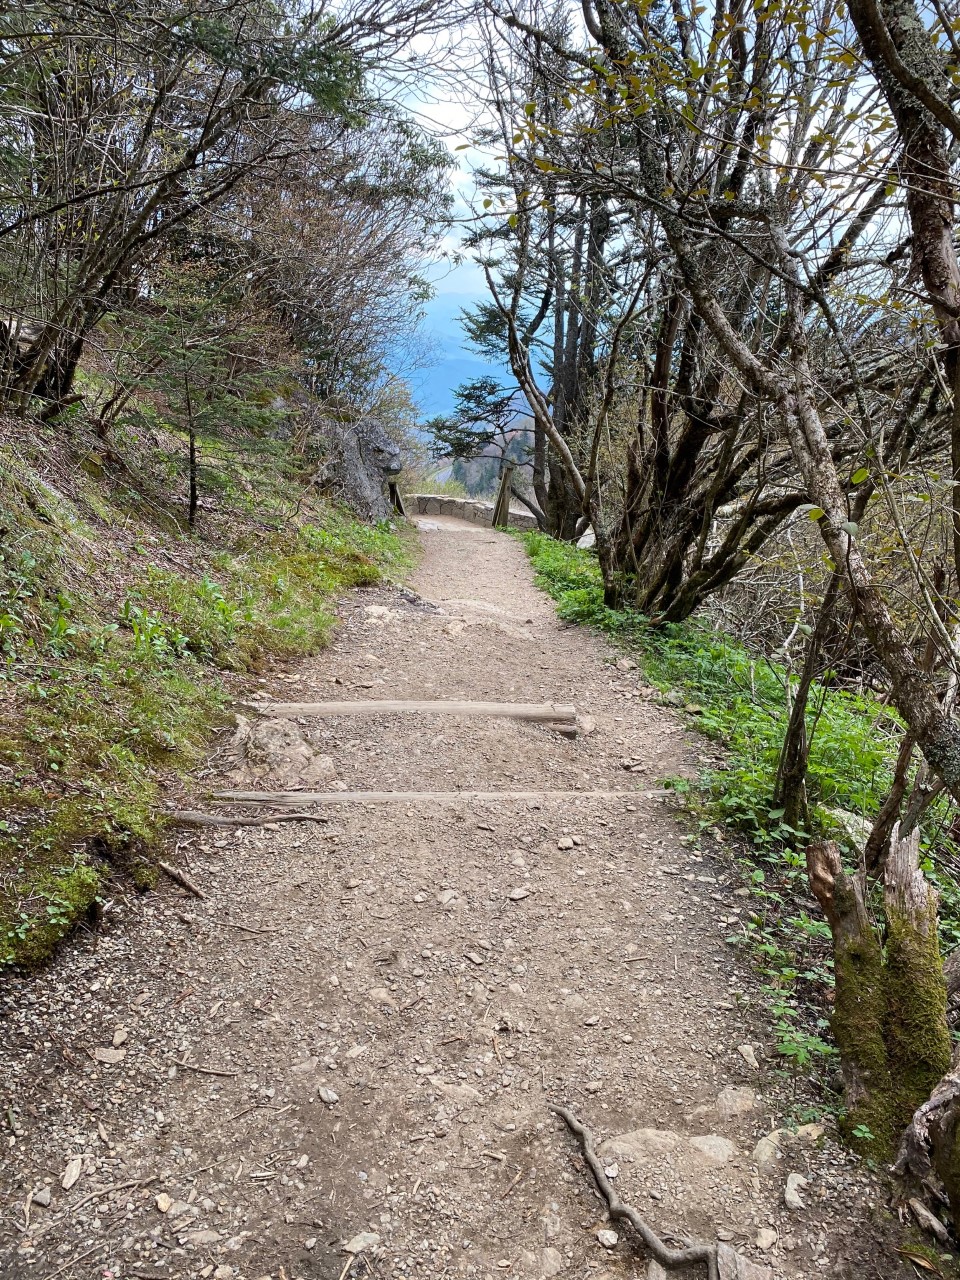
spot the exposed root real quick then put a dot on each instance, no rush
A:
(670, 1259)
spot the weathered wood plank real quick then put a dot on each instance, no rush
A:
(300, 798)
(538, 713)
(193, 818)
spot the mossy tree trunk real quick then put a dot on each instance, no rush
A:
(890, 1011)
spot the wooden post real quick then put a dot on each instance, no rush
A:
(501, 510)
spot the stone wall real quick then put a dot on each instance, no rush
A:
(434, 504)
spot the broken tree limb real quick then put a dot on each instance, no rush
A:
(548, 713)
(671, 1259)
(181, 879)
(413, 797)
(192, 818)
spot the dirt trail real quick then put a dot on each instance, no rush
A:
(377, 1008)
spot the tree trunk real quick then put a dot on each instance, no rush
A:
(889, 1019)
(790, 791)
(194, 488)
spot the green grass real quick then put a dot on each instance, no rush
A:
(738, 699)
(98, 706)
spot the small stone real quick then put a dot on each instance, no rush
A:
(446, 897)
(72, 1172)
(593, 1086)
(626, 664)
(110, 1056)
(796, 1182)
(768, 1150)
(565, 842)
(310, 1242)
(551, 1262)
(517, 895)
(362, 1242)
(381, 996)
(197, 1238)
(41, 1197)
(714, 1149)
(464, 1094)
(608, 1238)
(746, 1052)
(164, 1202)
(474, 957)
(810, 1134)
(655, 1271)
(329, 1096)
(766, 1238)
(734, 1266)
(224, 1272)
(736, 1102)
(120, 1036)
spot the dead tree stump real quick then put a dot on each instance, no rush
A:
(890, 1010)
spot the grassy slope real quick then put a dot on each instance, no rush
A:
(120, 636)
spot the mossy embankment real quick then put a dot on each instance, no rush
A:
(122, 635)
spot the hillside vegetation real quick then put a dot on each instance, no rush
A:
(213, 225)
(123, 637)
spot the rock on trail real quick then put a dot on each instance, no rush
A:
(338, 1063)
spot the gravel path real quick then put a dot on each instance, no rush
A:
(353, 1039)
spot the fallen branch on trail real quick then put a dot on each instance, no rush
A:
(192, 818)
(181, 878)
(109, 1191)
(563, 717)
(204, 1071)
(671, 1259)
(412, 797)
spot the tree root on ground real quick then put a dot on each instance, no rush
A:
(670, 1259)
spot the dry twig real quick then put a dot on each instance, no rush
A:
(204, 1071)
(181, 878)
(671, 1259)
